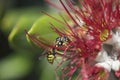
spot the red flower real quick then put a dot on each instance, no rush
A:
(98, 73)
(85, 38)
(117, 73)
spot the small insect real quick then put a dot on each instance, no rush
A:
(61, 41)
(51, 56)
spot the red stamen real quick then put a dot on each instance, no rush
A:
(68, 13)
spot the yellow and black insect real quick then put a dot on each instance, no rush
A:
(61, 41)
(51, 56)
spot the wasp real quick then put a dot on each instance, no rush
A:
(61, 41)
(51, 56)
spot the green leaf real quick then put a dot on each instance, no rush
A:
(15, 66)
(46, 70)
(42, 27)
(12, 17)
(17, 37)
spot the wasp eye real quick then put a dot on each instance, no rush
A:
(58, 39)
(61, 41)
(66, 38)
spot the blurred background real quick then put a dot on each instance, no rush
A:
(19, 60)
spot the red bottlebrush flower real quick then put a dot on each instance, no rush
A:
(117, 73)
(98, 73)
(81, 46)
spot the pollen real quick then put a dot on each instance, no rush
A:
(104, 35)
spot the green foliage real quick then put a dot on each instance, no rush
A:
(47, 71)
(13, 16)
(17, 36)
(14, 24)
(15, 65)
(42, 27)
